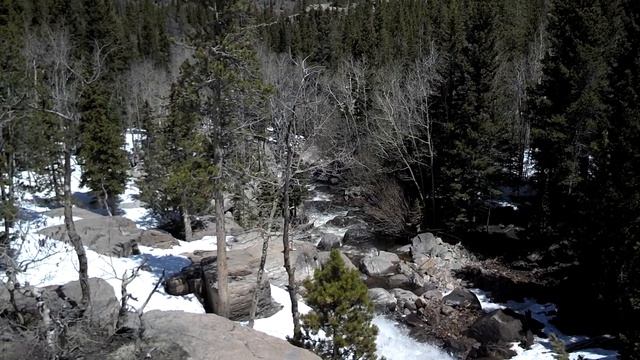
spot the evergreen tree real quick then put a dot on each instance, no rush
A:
(13, 89)
(342, 310)
(101, 152)
(179, 173)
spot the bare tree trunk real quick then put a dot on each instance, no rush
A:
(297, 334)
(51, 334)
(263, 261)
(74, 238)
(223, 270)
(4, 241)
(106, 200)
(186, 220)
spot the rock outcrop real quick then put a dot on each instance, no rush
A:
(210, 337)
(112, 236)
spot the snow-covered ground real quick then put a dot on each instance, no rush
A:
(542, 348)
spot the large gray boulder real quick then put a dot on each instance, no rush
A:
(329, 241)
(406, 299)
(462, 298)
(201, 280)
(211, 337)
(359, 236)
(380, 264)
(382, 300)
(157, 239)
(242, 285)
(106, 235)
(63, 301)
(497, 327)
(428, 244)
(104, 306)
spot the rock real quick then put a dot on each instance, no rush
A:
(497, 327)
(383, 263)
(201, 280)
(177, 285)
(104, 308)
(462, 298)
(208, 336)
(242, 284)
(382, 300)
(447, 310)
(432, 295)
(403, 295)
(111, 236)
(417, 280)
(131, 323)
(406, 299)
(197, 255)
(423, 243)
(405, 249)
(329, 241)
(157, 239)
(421, 302)
(323, 257)
(359, 236)
(401, 281)
(306, 261)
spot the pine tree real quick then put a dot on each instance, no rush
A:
(104, 162)
(341, 310)
(179, 176)
(13, 88)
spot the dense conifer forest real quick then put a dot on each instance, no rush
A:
(509, 127)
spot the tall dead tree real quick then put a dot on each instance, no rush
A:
(301, 122)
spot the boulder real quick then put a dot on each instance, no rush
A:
(497, 327)
(359, 236)
(157, 239)
(104, 308)
(382, 300)
(329, 241)
(111, 236)
(323, 257)
(462, 298)
(406, 299)
(241, 289)
(423, 243)
(432, 295)
(200, 279)
(401, 281)
(380, 264)
(208, 336)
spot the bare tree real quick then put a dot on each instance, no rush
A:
(301, 114)
(63, 85)
(402, 131)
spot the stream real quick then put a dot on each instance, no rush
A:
(393, 340)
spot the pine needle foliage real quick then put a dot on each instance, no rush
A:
(339, 327)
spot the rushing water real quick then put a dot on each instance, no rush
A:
(394, 343)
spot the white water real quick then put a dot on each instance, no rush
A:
(394, 343)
